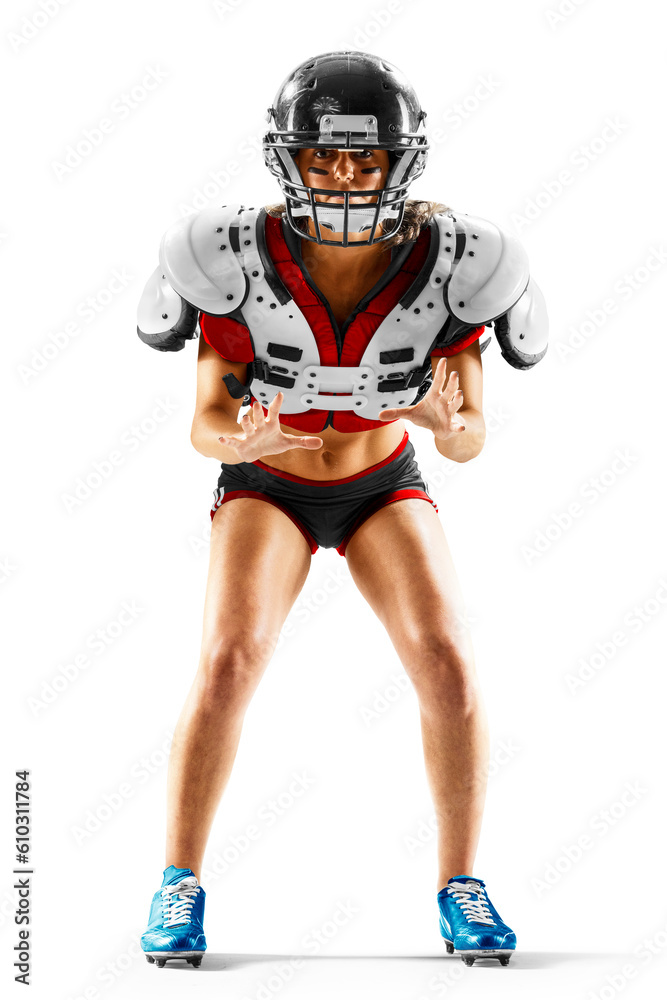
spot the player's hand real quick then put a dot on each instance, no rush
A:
(264, 436)
(437, 410)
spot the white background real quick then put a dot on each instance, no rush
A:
(520, 94)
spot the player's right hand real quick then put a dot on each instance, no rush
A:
(263, 435)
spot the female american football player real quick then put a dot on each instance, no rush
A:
(342, 315)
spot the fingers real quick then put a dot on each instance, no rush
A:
(296, 441)
(231, 439)
(452, 393)
(303, 442)
(455, 401)
(397, 413)
(252, 419)
(275, 404)
(439, 378)
(439, 374)
(452, 383)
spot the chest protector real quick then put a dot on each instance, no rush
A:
(461, 274)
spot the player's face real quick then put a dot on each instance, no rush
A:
(344, 170)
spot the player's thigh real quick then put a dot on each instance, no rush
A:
(258, 564)
(400, 560)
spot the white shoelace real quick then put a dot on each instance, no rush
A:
(474, 909)
(177, 901)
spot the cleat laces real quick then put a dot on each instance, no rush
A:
(178, 900)
(476, 910)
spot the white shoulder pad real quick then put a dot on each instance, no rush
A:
(523, 332)
(490, 274)
(165, 320)
(198, 258)
(160, 307)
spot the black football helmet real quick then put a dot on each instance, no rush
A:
(346, 100)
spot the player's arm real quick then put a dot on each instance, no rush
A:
(467, 444)
(216, 412)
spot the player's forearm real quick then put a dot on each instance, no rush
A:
(207, 427)
(467, 444)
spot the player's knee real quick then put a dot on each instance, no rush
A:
(232, 668)
(442, 669)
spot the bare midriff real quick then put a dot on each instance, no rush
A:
(341, 455)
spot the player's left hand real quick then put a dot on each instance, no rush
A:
(437, 410)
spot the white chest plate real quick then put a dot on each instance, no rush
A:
(283, 339)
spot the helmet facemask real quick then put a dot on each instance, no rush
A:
(407, 155)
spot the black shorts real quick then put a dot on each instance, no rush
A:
(327, 511)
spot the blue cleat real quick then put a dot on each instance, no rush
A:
(176, 922)
(470, 923)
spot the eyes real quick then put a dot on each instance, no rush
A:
(362, 154)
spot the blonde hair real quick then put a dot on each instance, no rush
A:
(417, 214)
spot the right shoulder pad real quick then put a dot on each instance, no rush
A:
(197, 256)
(164, 320)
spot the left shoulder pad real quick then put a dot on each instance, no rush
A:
(197, 255)
(490, 271)
(523, 331)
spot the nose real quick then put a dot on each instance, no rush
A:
(344, 167)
